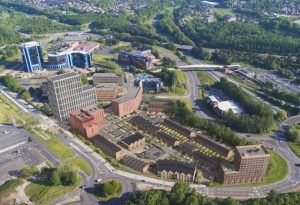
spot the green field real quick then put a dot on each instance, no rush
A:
(9, 186)
(295, 147)
(278, 170)
(59, 149)
(107, 61)
(79, 163)
(40, 193)
(222, 12)
(167, 52)
(205, 79)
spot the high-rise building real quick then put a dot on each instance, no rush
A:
(32, 56)
(250, 165)
(66, 94)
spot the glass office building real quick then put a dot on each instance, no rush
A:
(32, 56)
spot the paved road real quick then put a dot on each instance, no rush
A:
(104, 170)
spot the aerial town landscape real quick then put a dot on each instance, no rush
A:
(180, 102)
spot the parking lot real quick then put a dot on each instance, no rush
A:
(12, 161)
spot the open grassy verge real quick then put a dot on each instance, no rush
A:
(167, 52)
(277, 171)
(41, 193)
(295, 147)
(205, 79)
(107, 61)
(9, 186)
(59, 149)
(79, 163)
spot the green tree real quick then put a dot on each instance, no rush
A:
(55, 178)
(28, 171)
(281, 115)
(84, 80)
(26, 95)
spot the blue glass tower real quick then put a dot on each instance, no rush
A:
(32, 56)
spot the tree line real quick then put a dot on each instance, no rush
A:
(182, 113)
(182, 194)
(258, 116)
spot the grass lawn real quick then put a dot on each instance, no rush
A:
(41, 193)
(278, 170)
(295, 147)
(205, 79)
(222, 12)
(166, 51)
(9, 186)
(79, 163)
(107, 61)
(59, 149)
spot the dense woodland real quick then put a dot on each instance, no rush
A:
(182, 194)
(182, 113)
(258, 116)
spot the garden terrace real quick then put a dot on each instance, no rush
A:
(168, 139)
(178, 128)
(214, 146)
(144, 125)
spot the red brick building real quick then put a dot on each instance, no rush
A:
(128, 103)
(87, 121)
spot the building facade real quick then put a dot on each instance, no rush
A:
(133, 141)
(135, 164)
(108, 147)
(128, 103)
(32, 56)
(140, 59)
(66, 94)
(163, 106)
(250, 165)
(87, 121)
(176, 170)
(107, 78)
(107, 91)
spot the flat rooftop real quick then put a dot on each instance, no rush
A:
(63, 76)
(252, 150)
(90, 109)
(105, 75)
(30, 44)
(11, 135)
(106, 86)
(87, 87)
(227, 105)
(131, 94)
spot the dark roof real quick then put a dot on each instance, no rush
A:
(134, 162)
(176, 166)
(213, 145)
(105, 142)
(144, 124)
(187, 147)
(167, 138)
(177, 127)
(63, 76)
(209, 161)
(132, 138)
